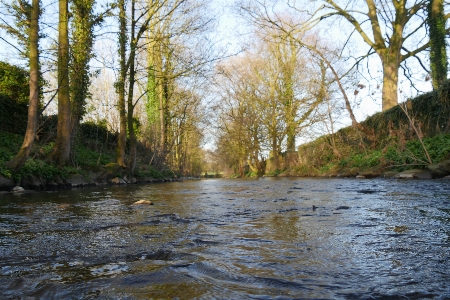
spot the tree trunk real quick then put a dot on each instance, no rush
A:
(390, 82)
(122, 140)
(289, 64)
(19, 160)
(291, 138)
(438, 54)
(275, 152)
(61, 152)
(81, 53)
(131, 81)
(132, 134)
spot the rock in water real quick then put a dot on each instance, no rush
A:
(144, 202)
(342, 207)
(18, 189)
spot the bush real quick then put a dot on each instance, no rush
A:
(85, 156)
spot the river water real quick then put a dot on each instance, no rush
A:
(272, 238)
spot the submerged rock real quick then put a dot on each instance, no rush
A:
(415, 173)
(148, 202)
(77, 180)
(32, 182)
(5, 183)
(18, 189)
(439, 170)
(342, 207)
(117, 180)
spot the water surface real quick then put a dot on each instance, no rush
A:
(272, 238)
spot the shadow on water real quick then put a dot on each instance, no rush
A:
(230, 239)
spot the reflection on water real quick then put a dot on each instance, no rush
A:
(230, 239)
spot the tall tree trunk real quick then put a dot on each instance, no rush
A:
(289, 70)
(162, 108)
(391, 65)
(131, 81)
(438, 53)
(276, 163)
(19, 160)
(131, 132)
(81, 50)
(291, 137)
(61, 152)
(122, 140)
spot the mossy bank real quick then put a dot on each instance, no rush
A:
(414, 136)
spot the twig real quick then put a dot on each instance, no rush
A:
(411, 122)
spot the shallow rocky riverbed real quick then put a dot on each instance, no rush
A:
(263, 238)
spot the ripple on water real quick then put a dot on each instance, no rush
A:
(111, 269)
(276, 238)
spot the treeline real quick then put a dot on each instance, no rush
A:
(295, 82)
(298, 75)
(164, 55)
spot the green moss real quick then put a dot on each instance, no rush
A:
(394, 143)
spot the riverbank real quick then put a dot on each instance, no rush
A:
(102, 177)
(409, 140)
(92, 161)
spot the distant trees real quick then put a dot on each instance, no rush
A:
(162, 56)
(179, 55)
(268, 97)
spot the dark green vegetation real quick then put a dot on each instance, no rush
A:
(394, 141)
(13, 98)
(93, 151)
(389, 143)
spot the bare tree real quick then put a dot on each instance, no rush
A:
(391, 28)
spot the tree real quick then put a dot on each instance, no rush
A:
(139, 25)
(120, 84)
(267, 99)
(83, 22)
(299, 33)
(392, 24)
(173, 54)
(437, 30)
(19, 28)
(178, 55)
(33, 107)
(61, 152)
(391, 29)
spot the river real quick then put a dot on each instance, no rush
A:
(269, 238)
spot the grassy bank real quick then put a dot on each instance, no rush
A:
(93, 156)
(412, 136)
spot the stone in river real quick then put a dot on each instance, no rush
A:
(342, 207)
(144, 202)
(18, 189)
